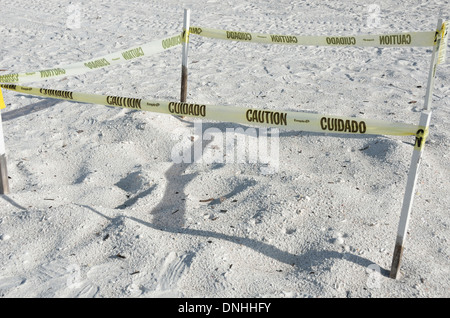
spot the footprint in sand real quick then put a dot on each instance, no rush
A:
(173, 269)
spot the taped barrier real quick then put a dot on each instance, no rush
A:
(97, 63)
(281, 119)
(158, 46)
(437, 40)
(249, 116)
(390, 40)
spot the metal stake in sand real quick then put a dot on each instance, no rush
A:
(433, 66)
(415, 162)
(4, 185)
(409, 193)
(184, 65)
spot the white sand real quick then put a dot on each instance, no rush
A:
(98, 208)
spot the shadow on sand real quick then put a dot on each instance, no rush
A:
(169, 216)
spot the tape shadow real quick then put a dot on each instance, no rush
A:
(305, 261)
(134, 199)
(30, 109)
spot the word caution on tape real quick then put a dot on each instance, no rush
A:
(388, 40)
(260, 117)
(97, 63)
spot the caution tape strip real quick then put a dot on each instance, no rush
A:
(97, 63)
(389, 40)
(443, 35)
(289, 120)
(421, 136)
(158, 46)
(185, 36)
(2, 101)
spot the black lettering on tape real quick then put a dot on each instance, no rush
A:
(57, 93)
(420, 137)
(52, 72)
(133, 53)
(284, 39)
(173, 41)
(187, 109)
(195, 30)
(124, 102)
(242, 36)
(9, 86)
(395, 39)
(9, 78)
(341, 125)
(97, 63)
(266, 117)
(341, 40)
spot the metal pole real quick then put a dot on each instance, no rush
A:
(409, 193)
(415, 162)
(184, 64)
(4, 184)
(432, 72)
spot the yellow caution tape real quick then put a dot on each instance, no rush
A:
(249, 116)
(154, 47)
(421, 137)
(443, 34)
(389, 40)
(185, 36)
(79, 68)
(2, 101)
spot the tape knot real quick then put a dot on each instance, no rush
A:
(443, 37)
(421, 136)
(185, 36)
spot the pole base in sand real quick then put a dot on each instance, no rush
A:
(396, 260)
(4, 185)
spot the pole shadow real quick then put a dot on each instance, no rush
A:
(12, 202)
